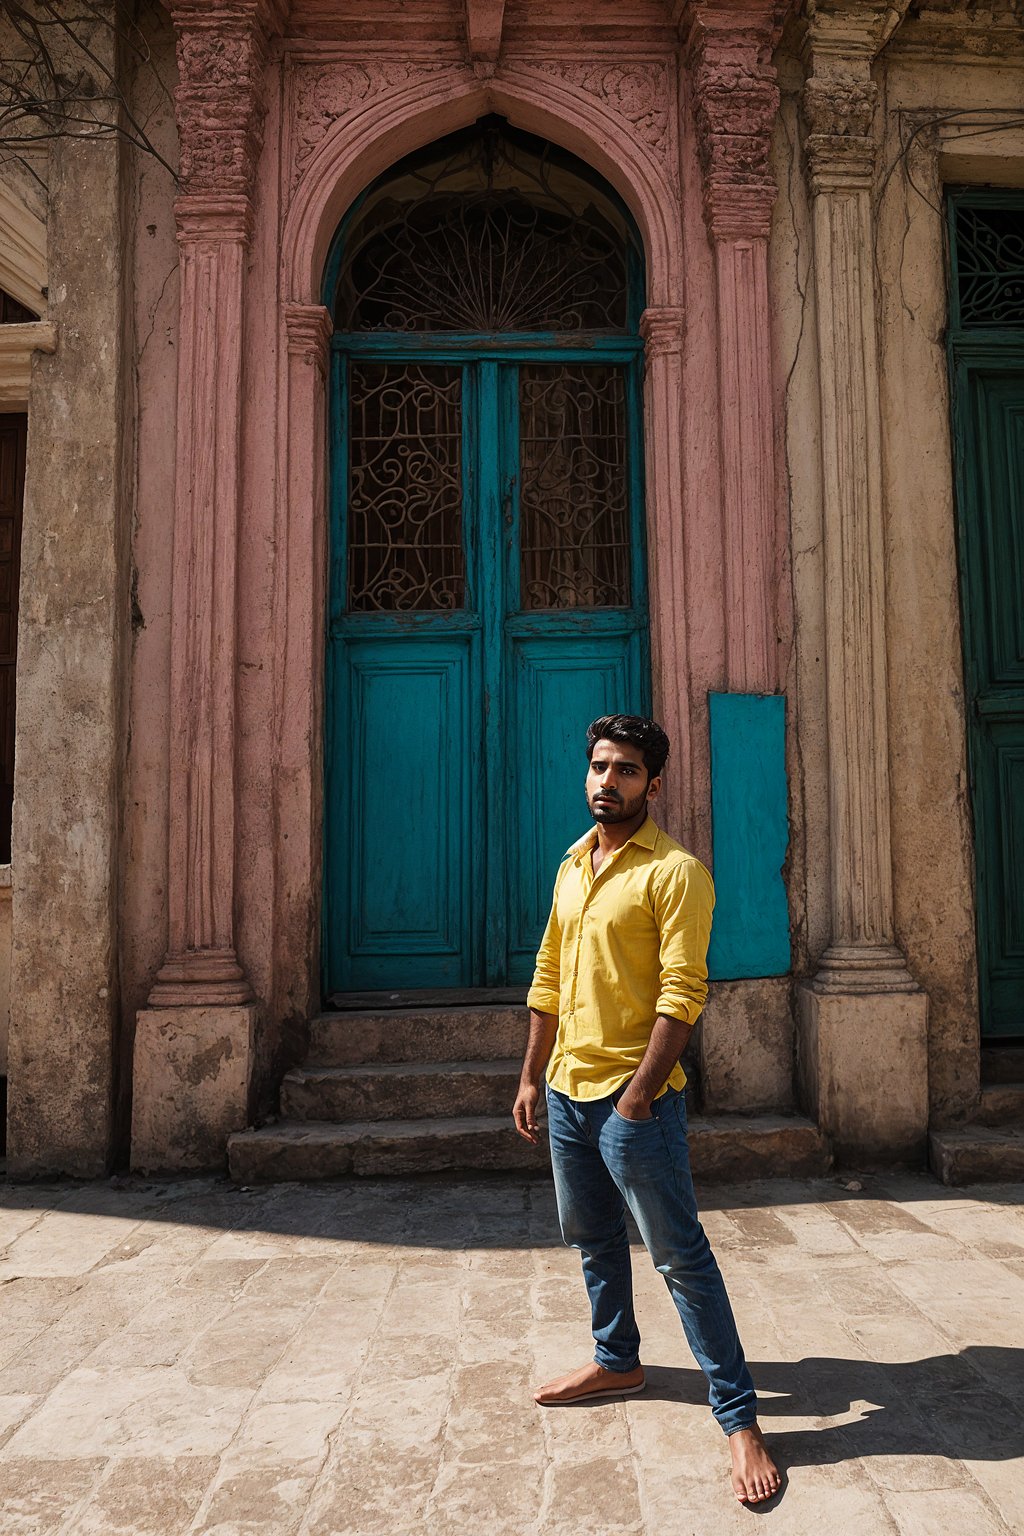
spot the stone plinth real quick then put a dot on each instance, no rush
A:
(192, 1073)
(863, 1072)
(746, 1047)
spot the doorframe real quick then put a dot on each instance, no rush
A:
(970, 350)
(626, 351)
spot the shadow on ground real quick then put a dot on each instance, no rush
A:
(454, 1212)
(964, 1406)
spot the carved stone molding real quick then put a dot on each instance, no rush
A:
(17, 344)
(309, 328)
(735, 101)
(484, 22)
(663, 328)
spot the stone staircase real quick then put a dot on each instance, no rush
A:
(991, 1147)
(409, 1091)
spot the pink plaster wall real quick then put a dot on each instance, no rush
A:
(342, 114)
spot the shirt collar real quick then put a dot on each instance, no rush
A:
(645, 836)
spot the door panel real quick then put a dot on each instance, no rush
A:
(403, 914)
(559, 683)
(990, 414)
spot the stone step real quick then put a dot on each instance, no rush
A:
(418, 1035)
(407, 1090)
(722, 1148)
(402, 1091)
(1001, 1104)
(1002, 1063)
(978, 1154)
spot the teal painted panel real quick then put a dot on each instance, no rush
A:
(560, 683)
(399, 814)
(750, 833)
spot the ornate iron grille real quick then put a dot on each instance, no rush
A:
(990, 264)
(405, 488)
(492, 234)
(574, 496)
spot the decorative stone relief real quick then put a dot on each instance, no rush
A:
(324, 94)
(639, 93)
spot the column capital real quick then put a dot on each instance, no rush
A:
(840, 43)
(728, 50)
(222, 51)
(662, 327)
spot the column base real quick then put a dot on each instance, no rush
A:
(200, 978)
(873, 968)
(862, 1067)
(192, 1073)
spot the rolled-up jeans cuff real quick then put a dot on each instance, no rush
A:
(743, 1421)
(611, 1364)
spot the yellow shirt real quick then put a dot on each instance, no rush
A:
(621, 947)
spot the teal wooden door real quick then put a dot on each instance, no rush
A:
(987, 365)
(487, 577)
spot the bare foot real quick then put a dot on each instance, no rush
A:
(590, 1381)
(755, 1476)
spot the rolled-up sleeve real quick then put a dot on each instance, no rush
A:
(545, 988)
(683, 899)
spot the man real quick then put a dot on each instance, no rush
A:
(621, 978)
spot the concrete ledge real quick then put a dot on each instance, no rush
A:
(978, 1154)
(192, 1072)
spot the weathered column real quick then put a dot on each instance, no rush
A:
(864, 1019)
(193, 1048)
(735, 97)
(662, 329)
(74, 608)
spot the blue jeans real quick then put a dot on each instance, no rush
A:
(603, 1163)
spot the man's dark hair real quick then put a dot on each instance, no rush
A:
(633, 730)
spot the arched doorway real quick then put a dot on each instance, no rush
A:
(487, 592)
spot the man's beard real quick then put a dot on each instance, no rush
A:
(616, 810)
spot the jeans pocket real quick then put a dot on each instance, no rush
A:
(625, 1120)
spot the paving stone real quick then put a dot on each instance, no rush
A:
(146, 1496)
(939, 1512)
(264, 1501)
(360, 1494)
(39, 1494)
(130, 1412)
(592, 1493)
(501, 1498)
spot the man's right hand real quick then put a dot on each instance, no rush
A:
(524, 1111)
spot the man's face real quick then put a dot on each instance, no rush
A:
(617, 784)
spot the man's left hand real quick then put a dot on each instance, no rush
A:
(632, 1108)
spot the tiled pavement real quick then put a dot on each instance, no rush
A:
(356, 1359)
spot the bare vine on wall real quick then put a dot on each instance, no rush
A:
(60, 76)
